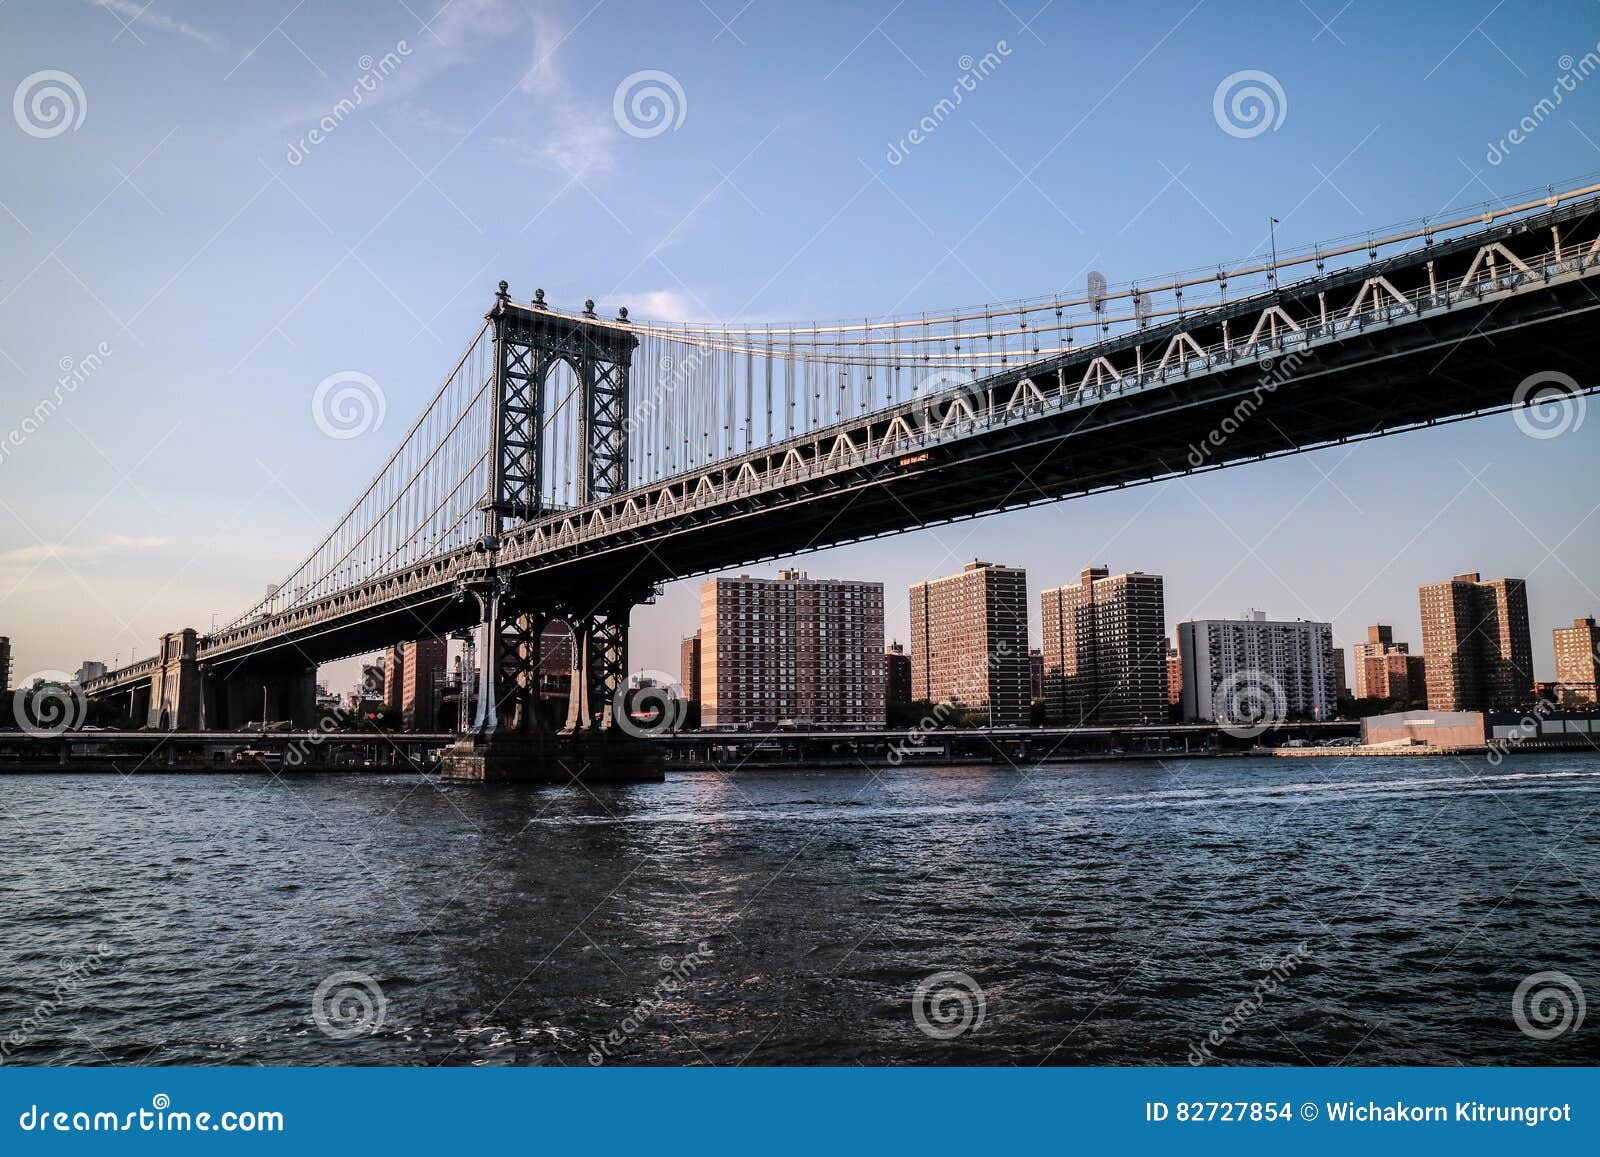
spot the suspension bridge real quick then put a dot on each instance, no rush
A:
(571, 463)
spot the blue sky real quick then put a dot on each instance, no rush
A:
(227, 267)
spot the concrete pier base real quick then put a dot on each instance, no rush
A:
(551, 759)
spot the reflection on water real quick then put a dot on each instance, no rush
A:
(1105, 914)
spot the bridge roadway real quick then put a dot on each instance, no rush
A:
(1442, 332)
(154, 751)
(241, 750)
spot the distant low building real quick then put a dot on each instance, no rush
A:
(1432, 728)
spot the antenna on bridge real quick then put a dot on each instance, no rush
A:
(1272, 233)
(1097, 296)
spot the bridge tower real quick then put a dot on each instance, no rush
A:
(507, 738)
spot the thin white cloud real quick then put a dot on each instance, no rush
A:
(115, 544)
(145, 15)
(668, 305)
(545, 75)
(576, 140)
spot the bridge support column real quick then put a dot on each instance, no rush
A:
(599, 668)
(175, 687)
(517, 747)
(139, 702)
(300, 699)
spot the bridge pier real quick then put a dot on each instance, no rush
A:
(175, 687)
(510, 742)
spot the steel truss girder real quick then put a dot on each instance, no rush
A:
(606, 431)
(520, 466)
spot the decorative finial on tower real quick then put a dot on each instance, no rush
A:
(622, 314)
(503, 295)
(588, 308)
(538, 299)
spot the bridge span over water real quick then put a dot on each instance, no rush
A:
(572, 463)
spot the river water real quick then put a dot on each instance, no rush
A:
(1274, 911)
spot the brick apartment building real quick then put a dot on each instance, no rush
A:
(969, 641)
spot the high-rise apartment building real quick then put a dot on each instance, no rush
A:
(1105, 649)
(1341, 683)
(394, 661)
(1174, 673)
(5, 663)
(1385, 669)
(422, 673)
(555, 667)
(689, 667)
(1578, 662)
(969, 641)
(792, 648)
(1228, 659)
(896, 674)
(1476, 641)
(1380, 641)
(1395, 675)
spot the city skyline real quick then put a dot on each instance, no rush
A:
(1037, 631)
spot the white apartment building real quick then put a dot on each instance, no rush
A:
(1217, 654)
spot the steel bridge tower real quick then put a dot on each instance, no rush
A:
(530, 343)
